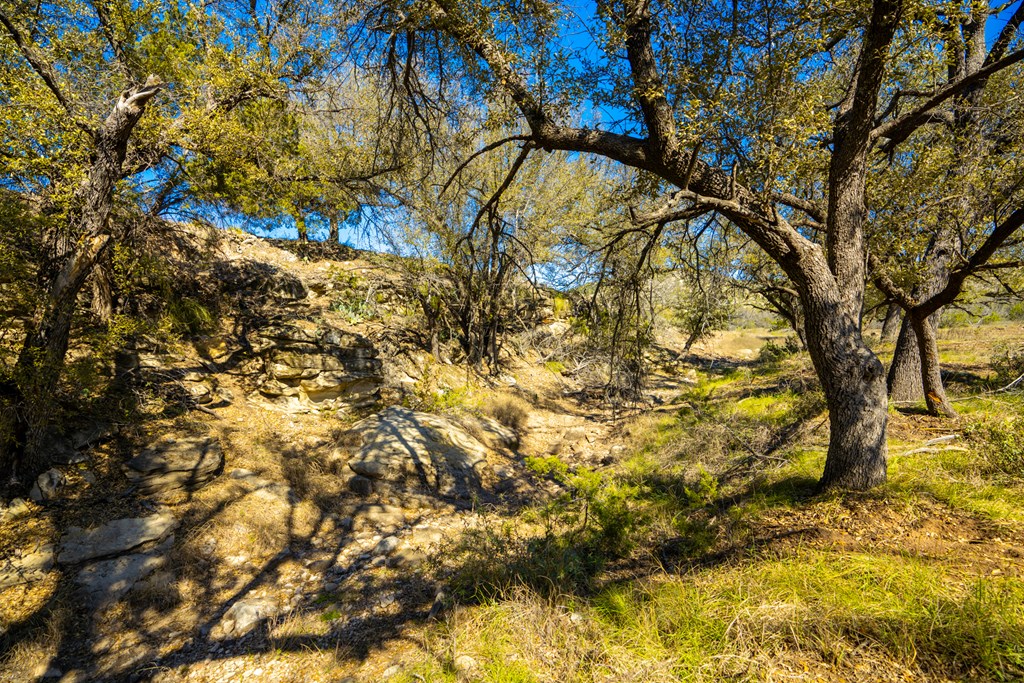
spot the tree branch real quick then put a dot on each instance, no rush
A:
(45, 72)
(899, 129)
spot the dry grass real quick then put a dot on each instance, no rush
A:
(511, 411)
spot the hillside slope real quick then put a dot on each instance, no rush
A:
(301, 492)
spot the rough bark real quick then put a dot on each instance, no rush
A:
(904, 377)
(103, 292)
(931, 378)
(334, 237)
(41, 359)
(853, 381)
(891, 324)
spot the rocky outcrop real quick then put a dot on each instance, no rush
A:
(114, 538)
(316, 368)
(173, 463)
(411, 449)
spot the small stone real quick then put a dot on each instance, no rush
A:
(47, 485)
(391, 671)
(244, 615)
(466, 665)
(360, 485)
(387, 546)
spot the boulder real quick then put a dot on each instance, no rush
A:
(407, 447)
(114, 538)
(176, 463)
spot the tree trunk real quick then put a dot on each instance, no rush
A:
(41, 359)
(931, 376)
(853, 380)
(892, 322)
(852, 377)
(904, 377)
(335, 236)
(694, 334)
(103, 292)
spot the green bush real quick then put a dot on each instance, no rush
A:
(772, 352)
(1001, 444)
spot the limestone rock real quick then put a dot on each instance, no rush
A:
(317, 368)
(17, 509)
(61, 450)
(386, 546)
(466, 665)
(267, 489)
(27, 568)
(107, 581)
(243, 616)
(408, 447)
(176, 463)
(385, 516)
(495, 434)
(114, 538)
(47, 486)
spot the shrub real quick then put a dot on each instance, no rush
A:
(509, 411)
(1008, 363)
(1001, 444)
(772, 352)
